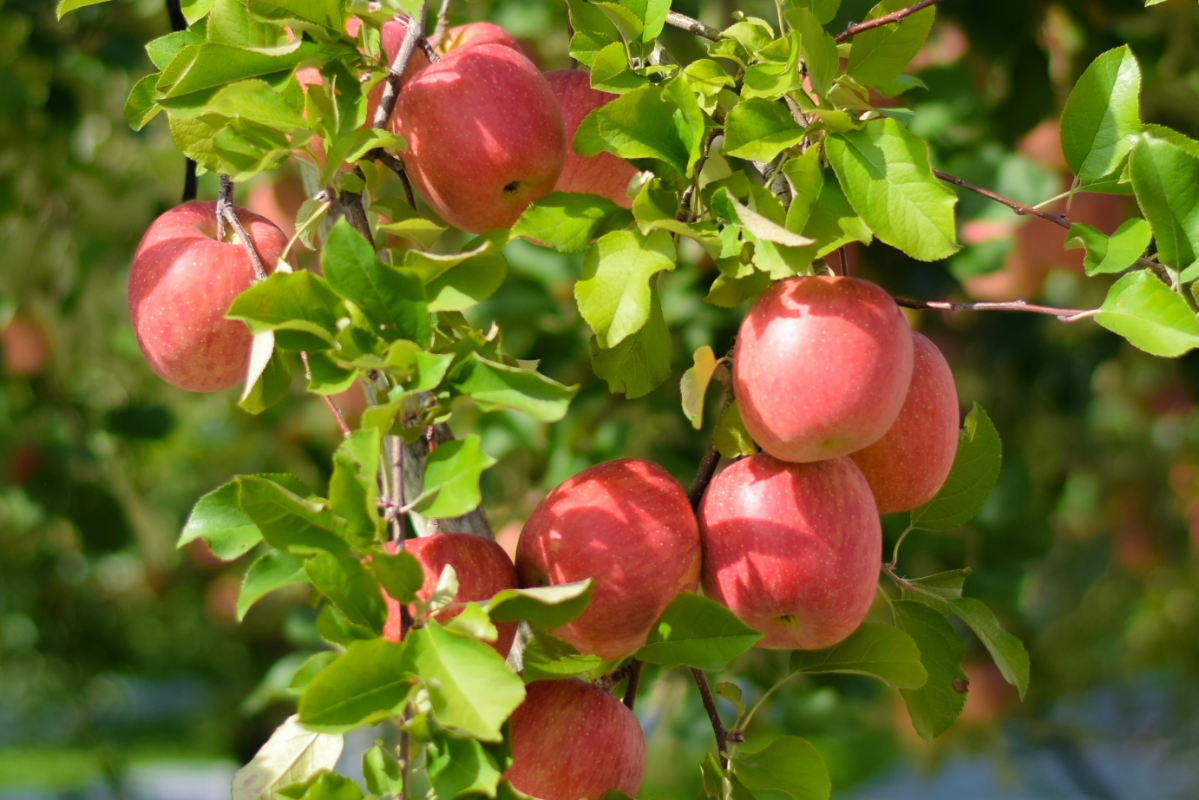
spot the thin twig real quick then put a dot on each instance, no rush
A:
(694, 26)
(1063, 314)
(443, 22)
(333, 409)
(894, 16)
(391, 89)
(703, 476)
(224, 206)
(1061, 220)
(426, 47)
(841, 251)
(722, 734)
(630, 691)
(396, 166)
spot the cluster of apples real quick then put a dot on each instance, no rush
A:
(488, 133)
(856, 415)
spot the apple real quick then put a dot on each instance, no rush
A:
(821, 367)
(907, 466)
(474, 34)
(603, 174)
(792, 549)
(485, 136)
(482, 567)
(25, 346)
(628, 526)
(181, 284)
(571, 740)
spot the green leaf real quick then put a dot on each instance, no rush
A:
(777, 70)
(195, 10)
(461, 767)
(229, 22)
(368, 683)
(1166, 181)
(288, 521)
(162, 51)
(694, 385)
(326, 14)
(569, 222)
(641, 362)
(252, 100)
(760, 226)
(547, 657)
(806, 180)
(880, 651)
(400, 575)
(309, 669)
(1102, 116)
(833, 222)
(208, 66)
(880, 54)
(1008, 651)
(494, 386)
(325, 786)
(697, 632)
(381, 771)
(406, 223)
(272, 571)
(347, 585)
(825, 10)
(593, 30)
(452, 473)
(470, 686)
(819, 48)
(544, 607)
(758, 130)
(730, 438)
(1110, 254)
(971, 478)
(272, 383)
(885, 172)
(65, 7)
(393, 300)
(1144, 311)
(291, 755)
(354, 487)
(614, 291)
(646, 123)
(789, 765)
(228, 531)
(610, 70)
(934, 706)
(140, 106)
(934, 590)
(298, 306)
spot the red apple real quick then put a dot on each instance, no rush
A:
(821, 367)
(628, 526)
(485, 136)
(907, 466)
(474, 34)
(571, 740)
(603, 174)
(792, 549)
(25, 346)
(182, 281)
(483, 569)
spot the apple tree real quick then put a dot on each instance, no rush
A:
(425, 152)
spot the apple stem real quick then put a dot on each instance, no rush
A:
(722, 734)
(443, 22)
(224, 207)
(894, 16)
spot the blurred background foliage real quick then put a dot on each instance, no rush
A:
(119, 652)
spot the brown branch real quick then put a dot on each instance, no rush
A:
(694, 26)
(1061, 220)
(894, 16)
(1063, 314)
(396, 166)
(427, 48)
(391, 89)
(630, 692)
(722, 734)
(703, 476)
